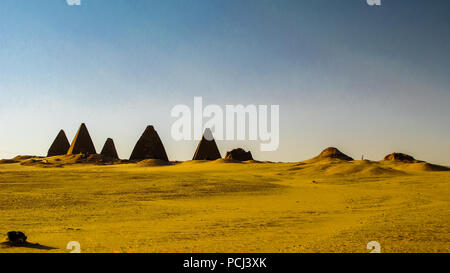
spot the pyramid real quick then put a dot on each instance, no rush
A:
(149, 146)
(332, 152)
(82, 142)
(207, 148)
(109, 149)
(239, 155)
(60, 145)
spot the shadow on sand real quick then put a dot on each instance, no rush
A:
(26, 245)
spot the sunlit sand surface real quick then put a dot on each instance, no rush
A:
(313, 206)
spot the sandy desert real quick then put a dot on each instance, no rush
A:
(320, 205)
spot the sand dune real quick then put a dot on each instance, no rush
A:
(340, 167)
(422, 166)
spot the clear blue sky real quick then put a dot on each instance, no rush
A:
(368, 80)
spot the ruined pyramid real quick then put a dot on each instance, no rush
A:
(400, 157)
(60, 145)
(207, 148)
(332, 152)
(239, 155)
(82, 142)
(109, 150)
(149, 146)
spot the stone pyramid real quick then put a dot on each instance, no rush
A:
(207, 148)
(60, 145)
(149, 146)
(82, 142)
(109, 150)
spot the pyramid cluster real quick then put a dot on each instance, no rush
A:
(81, 144)
(149, 146)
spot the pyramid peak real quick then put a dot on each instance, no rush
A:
(149, 129)
(208, 135)
(61, 133)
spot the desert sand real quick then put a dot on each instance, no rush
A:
(325, 204)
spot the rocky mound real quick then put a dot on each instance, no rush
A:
(8, 161)
(19, 159)
(149, 146)
(207, 148)
(23, 157)
(412, 164)
(400, 157)
(60, 145)
(333, 153)
(82, 142)
(62, 160)
(239, 155)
